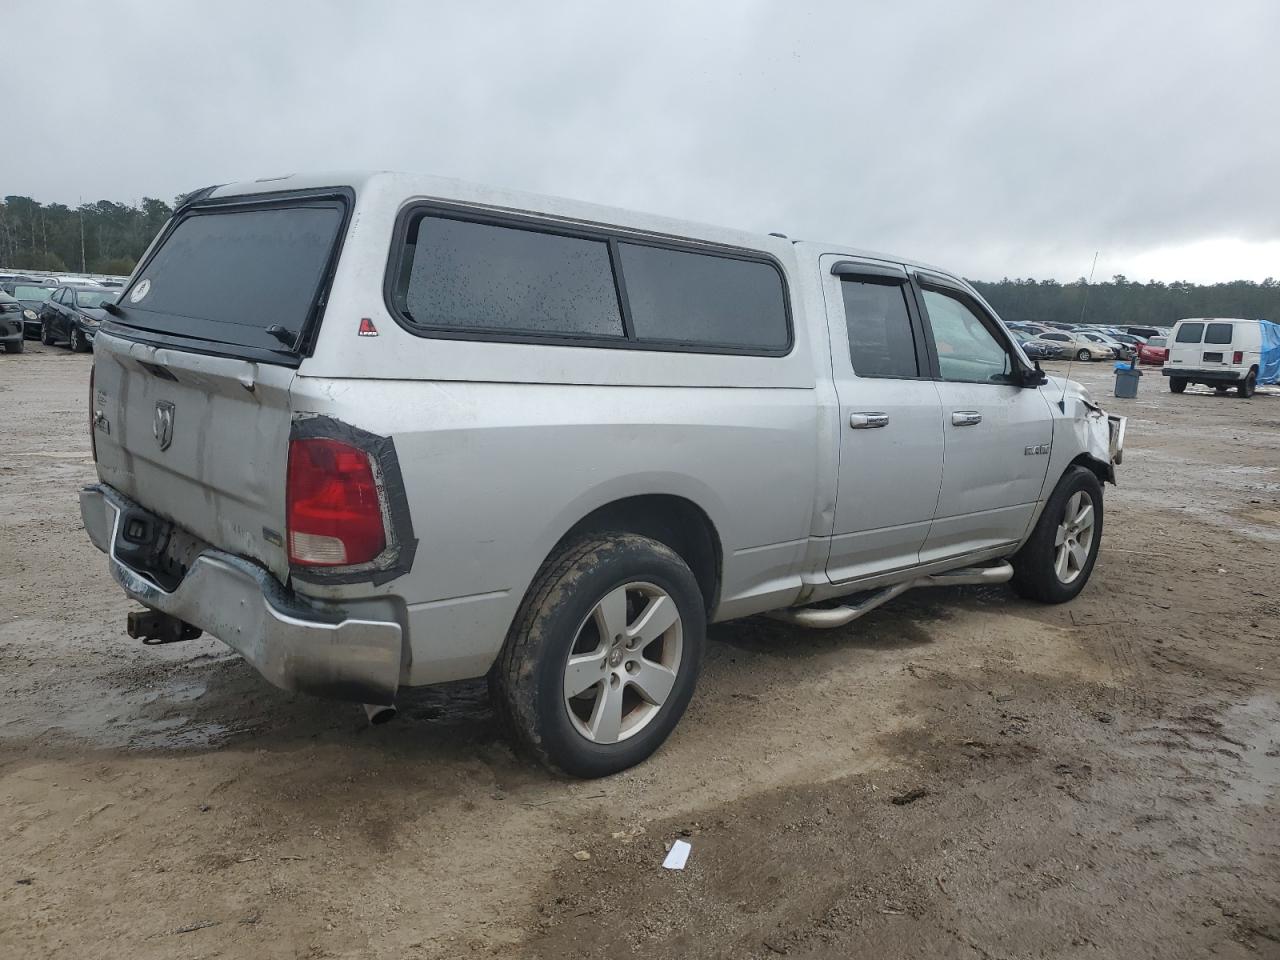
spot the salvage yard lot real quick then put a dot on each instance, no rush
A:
(959, 774)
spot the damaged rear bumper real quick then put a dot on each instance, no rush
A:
(310, 647)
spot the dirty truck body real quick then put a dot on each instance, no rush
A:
(382, 431)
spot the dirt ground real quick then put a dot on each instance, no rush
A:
(960, 774)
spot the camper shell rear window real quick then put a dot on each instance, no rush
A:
(243, 277)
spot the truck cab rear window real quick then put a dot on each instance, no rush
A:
(461, 278)
(225, 275)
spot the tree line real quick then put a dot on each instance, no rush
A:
(1121, 302)
(102, 237)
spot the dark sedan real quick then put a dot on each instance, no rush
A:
(11, 334)
(31, 294)
(73, 314)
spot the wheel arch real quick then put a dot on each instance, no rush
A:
(673, 520)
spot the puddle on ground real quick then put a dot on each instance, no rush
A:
(1256, 725)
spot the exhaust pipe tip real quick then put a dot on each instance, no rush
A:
(378, 713)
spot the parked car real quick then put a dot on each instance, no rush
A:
(1037, 349)
(76, 281)
(1119, 351)
(1154, 351)
(1077, 345)
(11, 335)
(1223, 353)
(436, 431)
(32, 295)
(1148, 331)
(73, 315)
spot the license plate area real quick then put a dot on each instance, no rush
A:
(1213, 358)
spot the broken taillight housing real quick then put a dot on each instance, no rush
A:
(334, 508)
(93, 418)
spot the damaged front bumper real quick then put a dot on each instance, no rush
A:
(307, 646)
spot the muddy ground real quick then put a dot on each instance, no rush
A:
(960, 774)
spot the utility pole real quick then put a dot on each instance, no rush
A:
(82, 266)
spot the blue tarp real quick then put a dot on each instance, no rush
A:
(1269, 368)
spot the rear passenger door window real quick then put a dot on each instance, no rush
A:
(881, 340)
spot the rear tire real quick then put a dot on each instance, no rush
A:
(1177, 385)
(1248, 385)
(591, 602)
(15, 347)
(1054, 565)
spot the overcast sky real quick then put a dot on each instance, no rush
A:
(994, 138)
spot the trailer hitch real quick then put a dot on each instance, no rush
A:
(153, 627)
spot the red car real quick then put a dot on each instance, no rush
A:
(1154, 351)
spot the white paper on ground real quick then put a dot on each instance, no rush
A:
(677, 856)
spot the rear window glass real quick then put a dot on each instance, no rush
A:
(227, 275)
(33, 293)
(1190, 333)
(1219, 332)
(458, 275)
(704, 300)
(1156, 342)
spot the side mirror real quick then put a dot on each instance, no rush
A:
(1034, 377)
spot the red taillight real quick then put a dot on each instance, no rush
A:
(1238, 357)
(93, 418)
(332, 504)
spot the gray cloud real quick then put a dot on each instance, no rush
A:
(993, 137)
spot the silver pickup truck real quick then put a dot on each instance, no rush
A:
(380, 431)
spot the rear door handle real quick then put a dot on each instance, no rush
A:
(965, 418)
(868, 420)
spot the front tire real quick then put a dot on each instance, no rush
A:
(14, 347)
(1177, 385)
(1083, 355)
(1056, 562)
(46, 334)
(603, 655)
(76, 342)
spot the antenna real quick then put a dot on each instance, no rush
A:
(1062, 400)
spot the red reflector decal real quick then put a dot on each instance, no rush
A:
(367, 329)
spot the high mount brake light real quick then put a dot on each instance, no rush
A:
(334, 508)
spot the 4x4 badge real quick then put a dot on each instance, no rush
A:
(162, 425)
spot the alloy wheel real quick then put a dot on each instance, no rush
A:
(1074, 537)
(623, 662)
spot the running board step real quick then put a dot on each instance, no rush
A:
(838, 616)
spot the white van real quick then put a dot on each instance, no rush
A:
(1220, 353)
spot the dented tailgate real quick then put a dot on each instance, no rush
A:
(203, 441)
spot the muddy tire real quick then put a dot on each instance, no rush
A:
(1177, 385)
(1055, 563)
(1248, 385)
(603, 655)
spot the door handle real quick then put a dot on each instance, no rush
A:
(965, 418)
(868, 421)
